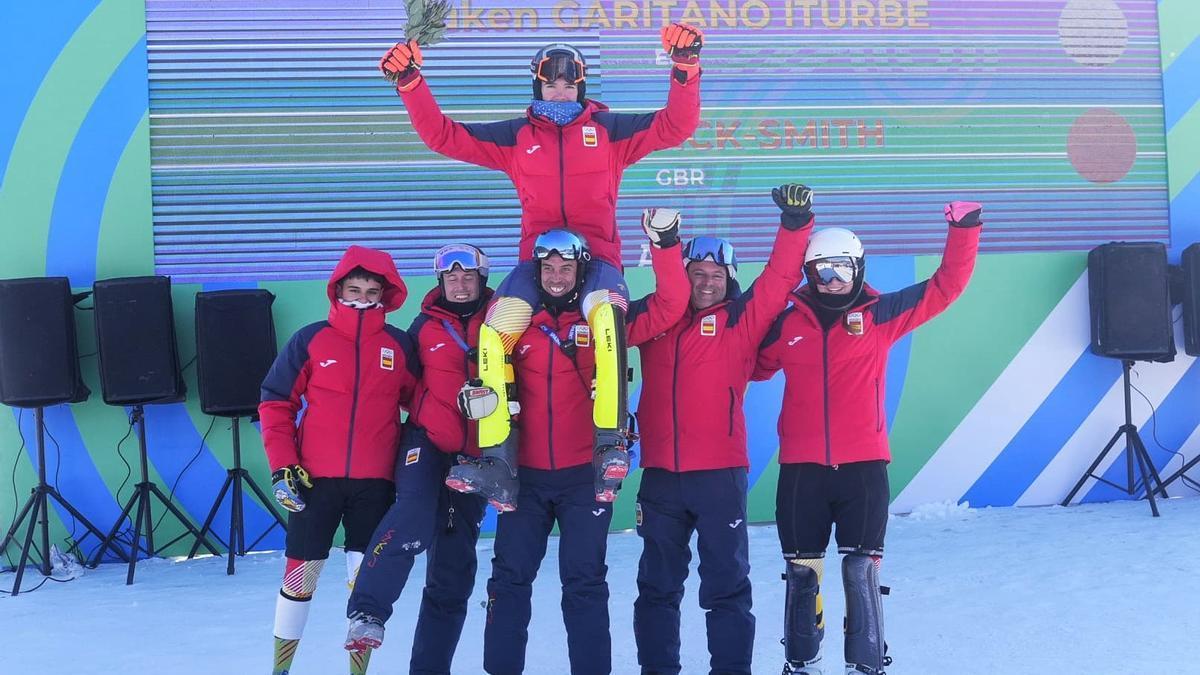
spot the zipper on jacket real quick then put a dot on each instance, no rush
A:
(675, 395)
(562, 178)
(878, 415)
(550, 396)
(825, 390)
(731, 411)
(354, 392)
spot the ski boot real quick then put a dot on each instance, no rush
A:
(365, 633)
(611, 462)
(812, 667)
(493, 475)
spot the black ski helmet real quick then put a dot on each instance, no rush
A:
(559, 60)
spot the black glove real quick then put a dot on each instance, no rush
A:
(795, 204)
(964, 214)
(286, 483)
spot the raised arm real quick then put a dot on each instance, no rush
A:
(655, 313)
(785, 267)
(900, 312)
(637, 135)
(489, 145)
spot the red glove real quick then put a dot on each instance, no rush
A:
(964, 214)
(683, 43)
(402, 64)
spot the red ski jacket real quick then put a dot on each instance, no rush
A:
(565, 176)
(833, 397)
(353, 372)
(445, 346)
(555, 363)
(694, 375)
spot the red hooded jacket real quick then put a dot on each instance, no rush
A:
(694, 375)
(351, 374)
(555, 389)
(443, 342)
(833, 397)
(565, 176)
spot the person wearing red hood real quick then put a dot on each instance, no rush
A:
(832, 345)
(351, 374)
(427, 517)
(565, 157)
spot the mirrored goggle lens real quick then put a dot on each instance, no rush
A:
(560, 65)
(828, 270)
(565, 245)
(711, 248)
(445, 259)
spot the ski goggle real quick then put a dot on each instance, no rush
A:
(559, 61)
(465, 256)
(566, 244)
(828, 270)
(715, 249)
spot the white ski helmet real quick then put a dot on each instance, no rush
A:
(833, 242)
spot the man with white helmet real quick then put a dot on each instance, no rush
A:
(832, 344)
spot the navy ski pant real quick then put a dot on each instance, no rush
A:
(670, 507)
(426, 517)
(568, 497)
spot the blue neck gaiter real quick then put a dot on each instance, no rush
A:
(558, 112)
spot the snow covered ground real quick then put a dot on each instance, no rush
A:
(1092, 589)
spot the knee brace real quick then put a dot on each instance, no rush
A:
(803, 616)
(864, 647)
(291, 608)
(607, 321)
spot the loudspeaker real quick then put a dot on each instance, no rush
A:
(135, 330)
(1128, 294)
(1190, 261)
(39, 357)
(235, 347)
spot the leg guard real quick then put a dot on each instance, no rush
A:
(864, 614)
(291, 609)
(803, 616)
(359, 662)
(496, 371)
(609, 411)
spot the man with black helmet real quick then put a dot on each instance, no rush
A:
(565, 157)
(426, 516)
(693, 440)
(555, 362)
(832, 344)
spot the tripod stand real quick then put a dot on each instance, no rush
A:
(1134, 448)
(140, 499)
(38, 510)
(237, 528)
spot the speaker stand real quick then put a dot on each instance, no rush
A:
(237, 529)
(1180, 473)
(37, 508)
(140, 500)
(1134, 450)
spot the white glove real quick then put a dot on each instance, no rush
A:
(662, 226)
(476, 401)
